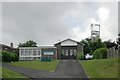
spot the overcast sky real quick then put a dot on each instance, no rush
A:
(49, 22)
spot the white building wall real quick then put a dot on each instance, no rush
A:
(68, 43)
(29, 53)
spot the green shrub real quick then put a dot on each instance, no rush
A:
(6, 56)
(16, 57)
(100, 53)
(9, 56)
(80, 56)
(0, 56)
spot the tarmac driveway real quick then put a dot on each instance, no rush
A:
(65, 69)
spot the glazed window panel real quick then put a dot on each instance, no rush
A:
(29, 51)
(75, 51)
(26, 52)
(48, 52)
(34, 52)
(22, 52)
(71, 52)
(63, 52)
(39, 52)
(66, 52)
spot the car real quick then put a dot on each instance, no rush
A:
(88, 56)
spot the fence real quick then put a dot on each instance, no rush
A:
(113, 53)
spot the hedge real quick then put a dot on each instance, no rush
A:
(80, 56)
(9, 56)
(100, 53)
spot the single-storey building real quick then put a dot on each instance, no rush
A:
(8, 48)
(35, 53)
(66, 49)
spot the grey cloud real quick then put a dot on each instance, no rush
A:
(119, 17)
(37, 21)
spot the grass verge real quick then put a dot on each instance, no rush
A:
(38, 65)
(101, 68)
(12, 75)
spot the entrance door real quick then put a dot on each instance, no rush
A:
(68, 54)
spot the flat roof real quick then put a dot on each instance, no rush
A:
(37, 47)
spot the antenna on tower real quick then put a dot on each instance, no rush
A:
(95, 31)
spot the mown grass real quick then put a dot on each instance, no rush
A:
(12, 75)
(101, 68)
(0, 71)
(38, 65)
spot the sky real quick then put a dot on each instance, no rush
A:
(50, 22)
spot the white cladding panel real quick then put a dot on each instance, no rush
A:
(68, 43)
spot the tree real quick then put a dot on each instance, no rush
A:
(86, 43)
(90, 46)
(29, 43)
(118, 41)
(110, 44)
(96, 44)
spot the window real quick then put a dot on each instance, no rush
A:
(6, 48)
(71, 52)
(39, 52)
(48, 52)
(66, 52)
(22, 52)
(34, 52)
(38, 58)
(74, 51)
(63, 52)
(29, 51)
(23, 58)
(26, 52)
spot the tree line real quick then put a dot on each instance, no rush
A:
(97, 47)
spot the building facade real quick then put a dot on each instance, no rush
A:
(35, 53)
(66, 49)
(8, 48)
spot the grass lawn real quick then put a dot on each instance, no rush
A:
(38, 65)
(0, 72)
(101, 68)
(9, 74)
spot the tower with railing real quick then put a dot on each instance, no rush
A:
(95, 31)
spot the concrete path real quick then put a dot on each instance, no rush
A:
(65, 69)
(69, 69)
